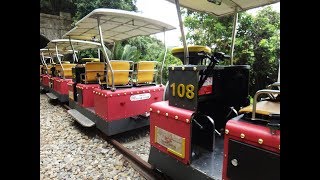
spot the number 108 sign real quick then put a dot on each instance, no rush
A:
(183, 88)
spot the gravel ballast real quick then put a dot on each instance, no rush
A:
(69, 151)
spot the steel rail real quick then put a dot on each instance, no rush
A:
(144, 168)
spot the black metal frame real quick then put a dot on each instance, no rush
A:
(61, 97)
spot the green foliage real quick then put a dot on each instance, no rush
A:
(126, 52)
(147, 48)
(84, 7)
(55, 6)
(208, 30)
(152, 49)
(257, 41)
(89, 53)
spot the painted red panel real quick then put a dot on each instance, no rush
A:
(168, 122)
(125, 102)
(70, 85)
(87, 94)
(64, 86)
(46, 80)
(61, 85)
(70, 89)
(56, 84)
(206, 87)
(205, 90)
(252, 134)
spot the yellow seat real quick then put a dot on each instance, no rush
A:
(90, 60)
(49, 68)
(194, 48)
(121, 72)
(91, 71)
(145, 71)
(58, 69)
(65, 70)
(194, 58)
(263, 108)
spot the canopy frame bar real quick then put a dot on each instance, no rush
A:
(234, 33)
(165, 54)
(75, 58)
(43, 60)
(104, 52)
(185, 47)
(57, 54)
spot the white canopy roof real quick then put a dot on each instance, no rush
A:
(47, 52)
(116, 25)
(226, 7)
(64, 46)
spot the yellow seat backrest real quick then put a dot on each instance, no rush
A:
(67, 70)
(49, 68)
(121, 72)
(92, 68)
(90, 60)
(145, 71)
(58, 69)
(263, 108)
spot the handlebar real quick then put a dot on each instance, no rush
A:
(216, 57)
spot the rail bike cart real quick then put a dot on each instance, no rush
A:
(115, 95)
(63, 70)
(45, 69)
(197, 133)
(252, 140)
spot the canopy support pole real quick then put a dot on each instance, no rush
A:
(186, 51)
(75, 58)
(99, 53)
(104, 52)
(51, 55)
(57, 54)
(234, 32)
(164, 57)
(43, 60)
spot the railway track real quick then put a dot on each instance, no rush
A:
(139, 164)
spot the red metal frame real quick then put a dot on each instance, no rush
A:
(55, 85)
(61, 85)
(87, 94)
(205, 90)
(172, 119)
(124, 103)
(70, 89)
(250, 134)
(46, 80)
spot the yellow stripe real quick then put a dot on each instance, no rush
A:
(155, 133)
(182, 154)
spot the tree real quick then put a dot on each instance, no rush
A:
(257, 41)
(152, 49)
(258, 44)
(123, 52)
(208, 30)
(55, 6)
(149, 48)
(84, 7)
